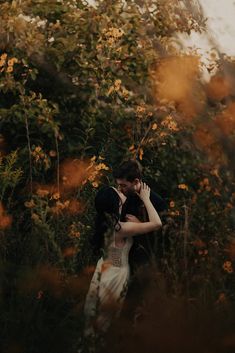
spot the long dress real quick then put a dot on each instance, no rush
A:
(107, 289)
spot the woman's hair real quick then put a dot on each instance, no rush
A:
(107, 204)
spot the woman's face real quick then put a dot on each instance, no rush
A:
(122, 198)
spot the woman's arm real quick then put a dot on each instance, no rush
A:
(133, 228)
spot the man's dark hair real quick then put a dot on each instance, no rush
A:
(129, 170)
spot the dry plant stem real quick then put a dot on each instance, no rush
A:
(30, 154)
(58, 164)
(142, 140)
(186, 235)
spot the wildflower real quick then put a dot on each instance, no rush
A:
(172, 204)
(183, 187)
(163, 134)
(55, 196)
(3, 56)
(35, 217)
(154, 126)
(52, 153)
(9, 69)
(73, 232)
(95, 184)
(42, 192)
(117, 85)
(227, 266)
(141, 152)
(12, 61)
(140, 110)
(38, 149)
(29, 204)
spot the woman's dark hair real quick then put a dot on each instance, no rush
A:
(107, 204)
(129, 170)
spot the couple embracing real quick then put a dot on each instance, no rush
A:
(126, 216)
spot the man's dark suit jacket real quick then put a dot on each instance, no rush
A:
(142, 248)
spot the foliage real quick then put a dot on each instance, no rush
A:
(82, 88)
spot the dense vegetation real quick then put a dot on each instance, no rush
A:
(82, 89)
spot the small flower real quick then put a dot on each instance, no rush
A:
(52, 153)
(141, 153)
(172, 204)
(51, 40)
(12, 61)
(3, 56)
(29, 204)
(95, 184)
(117, 85)
(9, 69)
(154, 126)
(227, 266)
(183, 187)
(55, 196)
(35, 217)
(42, 192)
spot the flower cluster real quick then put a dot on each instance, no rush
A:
(113, 34)
(73, 231)
(227, 266)
(95, 172)
(120, 89)
(170, 123)
(7, 64)
(40, 157)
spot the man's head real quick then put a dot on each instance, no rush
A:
(128, 177)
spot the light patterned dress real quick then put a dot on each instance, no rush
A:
(108, 289)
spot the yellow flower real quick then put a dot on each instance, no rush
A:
(35, 217)
(29, 204)
(38, 149)
(154, 126)
(117, 85)
(4, 56)
(52, 153)
(42, 192)
(9, 69)
(55, 196)
(12, 61)
(2, 63)
(95, 184)
(141, 153)
(183, 187)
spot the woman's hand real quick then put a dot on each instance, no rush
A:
(144, 193)
(132, 218)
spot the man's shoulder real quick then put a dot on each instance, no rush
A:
(158, 202)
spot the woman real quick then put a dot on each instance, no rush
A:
(109, 283)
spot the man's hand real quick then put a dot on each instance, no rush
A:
(132, 218)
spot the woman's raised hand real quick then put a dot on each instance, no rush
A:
(144, 192)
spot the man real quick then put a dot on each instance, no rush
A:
(128, 178)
